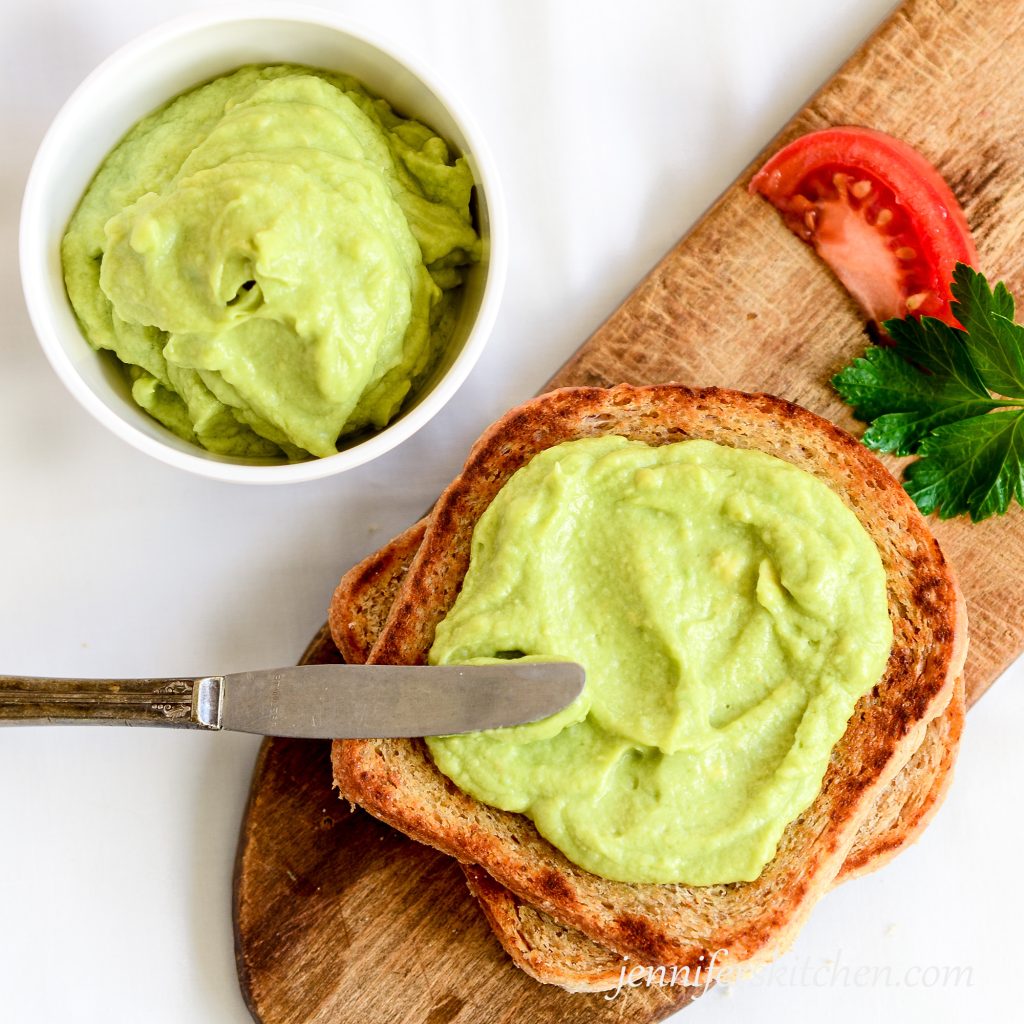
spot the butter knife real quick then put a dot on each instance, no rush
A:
(313, 701)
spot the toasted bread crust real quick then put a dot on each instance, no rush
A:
(366, 593)
(549, 952)
(904, 809)
(675, 924)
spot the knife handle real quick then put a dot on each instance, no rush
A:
(31, 700)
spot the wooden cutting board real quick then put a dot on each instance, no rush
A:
(340, 919)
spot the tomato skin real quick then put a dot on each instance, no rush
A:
(878, 213)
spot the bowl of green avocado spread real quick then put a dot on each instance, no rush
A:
(281, 269)
(729, 609)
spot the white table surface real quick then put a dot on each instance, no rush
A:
(615, 125)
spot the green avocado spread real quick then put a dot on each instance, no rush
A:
(274, 256)
(729, 610)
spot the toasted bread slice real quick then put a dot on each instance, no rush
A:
(905, 807)
(674, 924)
(366, 593)
(557, 954)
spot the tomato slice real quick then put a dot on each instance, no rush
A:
(878, 213)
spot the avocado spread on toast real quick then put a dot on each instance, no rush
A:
(729, 609)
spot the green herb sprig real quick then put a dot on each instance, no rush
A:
(954, 398)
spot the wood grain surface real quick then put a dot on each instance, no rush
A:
(340, 919)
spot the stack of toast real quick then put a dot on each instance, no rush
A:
(886, 778)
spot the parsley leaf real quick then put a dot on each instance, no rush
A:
(954, 397)
(904, 403)
(976, 465)
(995, 344)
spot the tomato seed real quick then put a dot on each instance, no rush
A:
(861, 189)
(904, 252)
(916, 300)
(883, 218)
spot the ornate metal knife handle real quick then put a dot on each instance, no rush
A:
(191, 703)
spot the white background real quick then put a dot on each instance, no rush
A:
(615, 124)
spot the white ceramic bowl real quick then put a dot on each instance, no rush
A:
(141, 77)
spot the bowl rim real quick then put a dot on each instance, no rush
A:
(33, 251)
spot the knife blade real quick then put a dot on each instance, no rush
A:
(311, 701)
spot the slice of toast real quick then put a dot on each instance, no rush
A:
(557, 954)
(675, 924)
